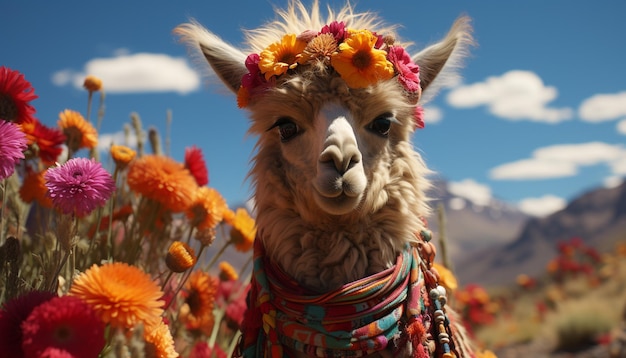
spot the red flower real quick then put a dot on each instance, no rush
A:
(194, 162)
(337, 29)
(13, 313)
(15, 95)
(65, 325)
(46, 142)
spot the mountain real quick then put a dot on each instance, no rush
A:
(598, 217)
(471, 228)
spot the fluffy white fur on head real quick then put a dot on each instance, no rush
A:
(339, 188)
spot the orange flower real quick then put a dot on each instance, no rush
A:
(243, 97)
(207, 209)
(281, 56)
(160, 341)
(227, 272)
(122, 295)
(243, 230)
(79, 132)
(197, 310)
(92, 83)
(34, 189)
(164, 180)
(180, 257)
(359, 63)
(122, 155)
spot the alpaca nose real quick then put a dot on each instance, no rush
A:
(340, 147)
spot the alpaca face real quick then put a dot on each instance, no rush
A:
(338, 186)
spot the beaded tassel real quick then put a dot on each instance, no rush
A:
(442, 323)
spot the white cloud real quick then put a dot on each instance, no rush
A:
(563, 160)
(542, 206)
(516, 95)
(621, 127)
(613, 181)
(471, 190)
(106, 139)
(141, 72)
(533, 168)
(603, 107)
(432, 114)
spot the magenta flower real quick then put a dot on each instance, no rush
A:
(338, 29)
(79, 186)
(12, 147)
(408, 72)
(63, 326)
(253, 78)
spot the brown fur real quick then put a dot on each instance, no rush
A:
(320, 246)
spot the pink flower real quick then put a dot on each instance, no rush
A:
(12, 147)
(338, 29)
(194, 162)
(408, 72)
(253, 78)
(79, 186)
(63, 327)
(13, 313)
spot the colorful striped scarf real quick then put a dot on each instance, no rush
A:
(382, 311)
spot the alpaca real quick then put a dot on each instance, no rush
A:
(342, 259)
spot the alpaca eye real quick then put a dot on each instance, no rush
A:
(287, 129)
(381, 125)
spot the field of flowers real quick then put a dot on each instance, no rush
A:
(103, 257)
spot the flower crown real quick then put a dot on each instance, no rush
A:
(360, 57)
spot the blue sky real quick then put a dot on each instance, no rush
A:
(538, 118)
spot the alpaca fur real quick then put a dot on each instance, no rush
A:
(337, 202)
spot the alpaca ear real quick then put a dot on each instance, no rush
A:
(447, 53)
(227, 61)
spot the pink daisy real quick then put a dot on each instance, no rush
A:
(13, 313)
(63, 326)
(408, 71)
(12, 147)
(79, 186)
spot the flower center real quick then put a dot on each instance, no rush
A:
(8, 109)
(63, 334)
(74, 137)
(194, 302)
(362, 59)
(287, 57)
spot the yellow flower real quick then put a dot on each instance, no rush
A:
(160, 341)
(359, 63)
(197, 310)
(180, 257)
(281, 56)
(227, 272)
(486, 354)
(121, 294)
(207, 209)
(92, 83)
(446, 277)
(79, 132)
(243, 229)
(122, 155)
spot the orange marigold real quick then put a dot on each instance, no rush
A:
(281, 56)
(207, 209)
(160, 341)
(180, 257)
(197, 310)
(243, 230)
(227, 272)
(122, 155)
(92, 83)
(121, 294)
(34, 189)
(164, 180)
(79, 132)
